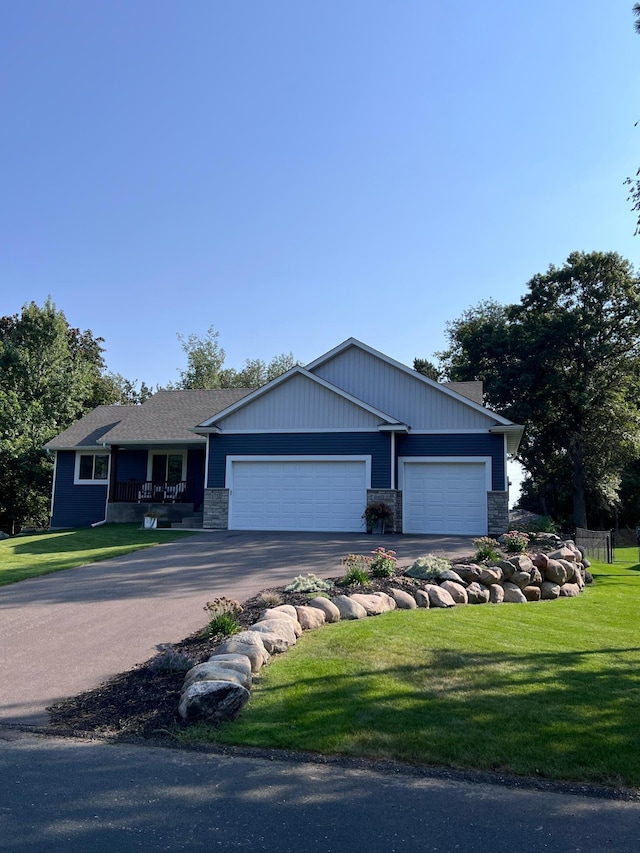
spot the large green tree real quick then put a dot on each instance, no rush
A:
(565, 362)
(205, 366)
(50, 375)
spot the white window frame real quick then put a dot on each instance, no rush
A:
(103, 481)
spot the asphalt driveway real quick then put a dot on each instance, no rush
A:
(67, 632)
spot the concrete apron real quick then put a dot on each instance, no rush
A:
(67, 632)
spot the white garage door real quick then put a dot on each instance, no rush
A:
(445, 497)
(323, 496)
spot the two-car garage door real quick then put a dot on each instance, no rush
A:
(445, 497)
(322, 495)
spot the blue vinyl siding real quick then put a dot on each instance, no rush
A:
(374, 444)
(75, 506)
(195, 476)
(462, 444)
(132, 465)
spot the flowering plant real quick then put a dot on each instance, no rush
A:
(378, 513)
(515, 542)
(383, 563)
(487, 548)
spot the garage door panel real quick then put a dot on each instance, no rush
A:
(445, 497)
(291, 495)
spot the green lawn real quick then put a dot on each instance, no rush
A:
(550, 689)
(41, 553)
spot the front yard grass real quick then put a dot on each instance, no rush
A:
(550, 689)
(42, 553)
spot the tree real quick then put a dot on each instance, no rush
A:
(205, 366)
(634, 183)
(426, 368)
(565, 361)
(50, 375)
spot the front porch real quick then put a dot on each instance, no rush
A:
(174, 503)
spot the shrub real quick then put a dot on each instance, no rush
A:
(428, 567)
(308, 583)
(356, 569)
(223, 616)
(515, 542)
(270, 598)
(170, 660)
(383, 563)
(487, 548)
(378, 513)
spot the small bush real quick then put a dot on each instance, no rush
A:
(170, 660)
(428, 567)
(269, 598)
(356, 569)
(223, 613)
(515, 542)
(487, 548)
(542, 524)
(383, 563)
(309, 583)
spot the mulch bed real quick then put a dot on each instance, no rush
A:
(141, 704)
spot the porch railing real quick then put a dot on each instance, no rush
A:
(147, 491)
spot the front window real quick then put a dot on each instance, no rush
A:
(168, 467)
(91, 468)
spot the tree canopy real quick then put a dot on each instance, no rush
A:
(564, 361)
(205, 366)
(50, 375)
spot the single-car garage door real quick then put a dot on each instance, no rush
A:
(292, 495)
(445, 497)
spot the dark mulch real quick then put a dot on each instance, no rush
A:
(141, 704)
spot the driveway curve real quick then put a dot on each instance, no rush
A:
(64, 633)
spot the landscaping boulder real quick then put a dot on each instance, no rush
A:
(212, 702)
(563, 553)
(456, 591)
(248, 643)
(439, 597)
(422, 598)
(468, 573)
(451, 575)
(521, 562)
(210, 671)
(555, 572)
(348, 608)
(331, 612)
(273, 613)
(532, 593)
(490, 575)
(569, 590)
(310, 617)
(521, 578)
(404, 600)
(507, 569)
(549, 591)
(289, 609)
(278, 635)
(477, 593)
(541, 561)
(241, 663)
(373, 604)
(391, 603)
(496, 593)
(513, 594)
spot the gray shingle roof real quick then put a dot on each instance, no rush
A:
(165, 417)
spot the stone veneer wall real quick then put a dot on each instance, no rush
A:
(393, 498)
(216, 509)
(498, 512)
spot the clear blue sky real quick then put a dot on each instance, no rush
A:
(295, 173)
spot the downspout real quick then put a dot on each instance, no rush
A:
(393, 460)
(53, 487)
(106, 504)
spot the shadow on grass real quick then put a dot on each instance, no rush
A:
(566, 715)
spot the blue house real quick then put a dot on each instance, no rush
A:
(305, 452)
